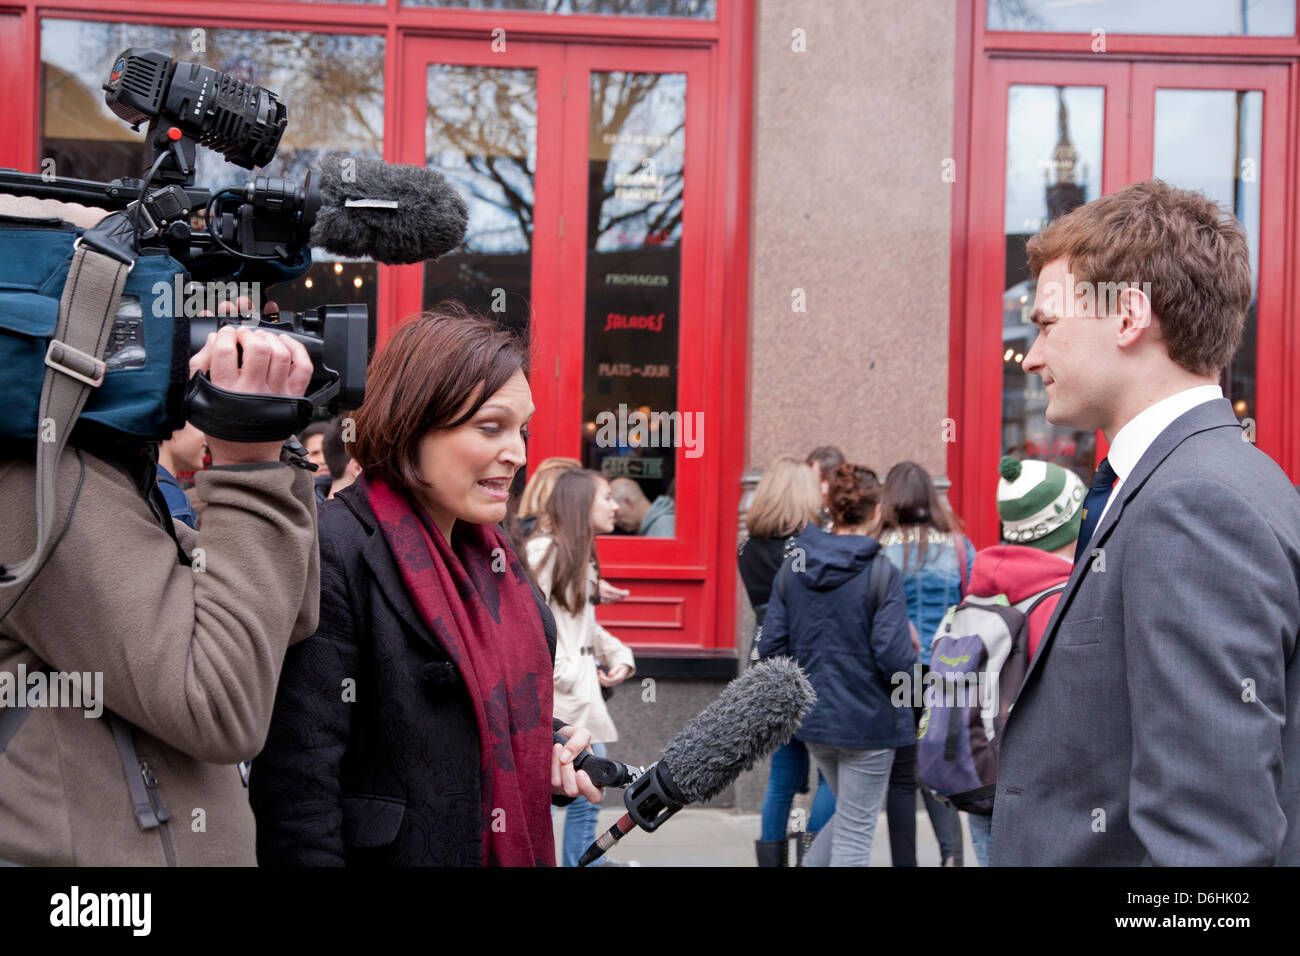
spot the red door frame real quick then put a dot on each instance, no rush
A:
(720, 92)
(670, 579)
(988, 62)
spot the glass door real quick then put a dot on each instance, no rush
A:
(1063, 142)
(489, 120)
(1221, 130)
(585, 169)
(635, 348)
(1073, 131)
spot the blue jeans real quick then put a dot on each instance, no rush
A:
(980, 828)
(788, 776)
(580, 824)
(859, 779)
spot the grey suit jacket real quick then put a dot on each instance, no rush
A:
(1159, 722)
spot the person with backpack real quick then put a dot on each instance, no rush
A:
(786, 500)
(838, 610)
(923, 539)
(1041, 506)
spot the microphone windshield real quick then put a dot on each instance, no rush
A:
(393, 214)
(756, 713)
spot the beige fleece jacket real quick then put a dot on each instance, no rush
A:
(190, 657)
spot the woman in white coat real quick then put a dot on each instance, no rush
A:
(588, 659)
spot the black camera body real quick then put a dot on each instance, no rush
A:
(258, 231)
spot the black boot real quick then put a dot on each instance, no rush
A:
(802, 841)
(772, 854)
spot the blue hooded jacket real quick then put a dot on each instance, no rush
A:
(826, 623)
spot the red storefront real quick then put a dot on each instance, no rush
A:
(1210, 112)
(605, 158)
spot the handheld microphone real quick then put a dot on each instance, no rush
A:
(754, 715)
(603, 771)
(391, 213)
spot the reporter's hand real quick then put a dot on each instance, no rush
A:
(564, 779)
(271, 364)
(610, 594)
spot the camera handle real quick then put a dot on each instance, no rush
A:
(245, 417)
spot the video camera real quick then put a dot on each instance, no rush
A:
(258, 231)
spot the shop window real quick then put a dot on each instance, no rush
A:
(332, 85)
(1212, 141)
(1054, 153)
(695, 9)
(1198, 17)
(481, 133)
(636, 159)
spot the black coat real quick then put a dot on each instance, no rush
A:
(383, 770)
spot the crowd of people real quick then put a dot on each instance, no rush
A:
(827, 532)
(412, 662)
(1129, 625)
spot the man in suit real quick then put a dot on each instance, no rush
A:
(1159, 722)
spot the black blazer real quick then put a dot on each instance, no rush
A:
(350, 773)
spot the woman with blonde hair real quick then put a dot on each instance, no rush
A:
(538, 491)
(787, 498)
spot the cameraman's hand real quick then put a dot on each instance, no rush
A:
(271, 364)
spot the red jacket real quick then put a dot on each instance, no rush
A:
(1018, 572)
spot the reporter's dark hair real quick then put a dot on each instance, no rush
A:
(438, 363)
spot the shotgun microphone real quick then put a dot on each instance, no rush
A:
(754, 715)
(391, 213)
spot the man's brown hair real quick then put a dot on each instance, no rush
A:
(427, 372)
(1193, 254)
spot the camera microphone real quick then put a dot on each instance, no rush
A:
(756, 713)
(392, 213)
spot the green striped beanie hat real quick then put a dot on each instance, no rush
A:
(1041, 504)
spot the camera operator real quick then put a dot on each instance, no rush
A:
(188, 653)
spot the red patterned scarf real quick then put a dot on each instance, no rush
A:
(474, 596)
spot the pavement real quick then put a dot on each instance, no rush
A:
(721, 837)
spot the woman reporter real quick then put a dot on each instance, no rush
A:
(415, 727)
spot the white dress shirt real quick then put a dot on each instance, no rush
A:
(1132, 441)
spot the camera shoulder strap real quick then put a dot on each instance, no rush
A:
(101, 260)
